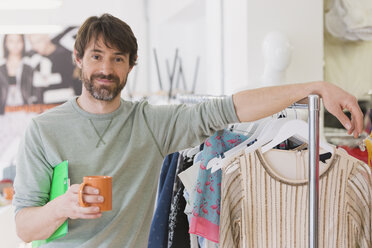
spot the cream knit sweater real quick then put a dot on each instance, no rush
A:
(265, 201)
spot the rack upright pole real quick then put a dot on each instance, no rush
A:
(313, 106)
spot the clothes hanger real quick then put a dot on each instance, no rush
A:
(267, 135)
(277, 131)
(193, 151)
(245, 128)
(264, 125)
(237, 149)
(266, 131)
(297, 128)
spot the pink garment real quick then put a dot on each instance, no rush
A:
(205, 217)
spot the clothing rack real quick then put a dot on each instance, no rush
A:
(193, 99)
(313, 107)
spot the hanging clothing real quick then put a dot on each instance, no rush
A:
(265, 201)
(159, 227)
(350, 19)
(178, 225)
(189, 178)
(356, 153)
(207, 192)
(346, 62)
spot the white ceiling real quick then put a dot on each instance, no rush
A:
(73, 12)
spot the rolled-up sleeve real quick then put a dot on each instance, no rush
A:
(33, 171)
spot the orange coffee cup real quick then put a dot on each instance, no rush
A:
(8, 193)
(104, 185)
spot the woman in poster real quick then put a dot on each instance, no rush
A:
(15, 77)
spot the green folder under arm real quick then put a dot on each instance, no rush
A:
(59, 187)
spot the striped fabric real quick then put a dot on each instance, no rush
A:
(265, 201)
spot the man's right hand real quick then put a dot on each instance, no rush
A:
(37, 223)
(68, 203)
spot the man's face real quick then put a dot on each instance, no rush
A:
(104, 71)
(39, 42)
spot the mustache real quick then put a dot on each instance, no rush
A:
(110, 77)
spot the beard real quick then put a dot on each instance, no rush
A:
(103, 92)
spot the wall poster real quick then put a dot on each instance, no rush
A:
(36, 74)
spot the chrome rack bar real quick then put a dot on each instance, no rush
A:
(192, 98)
(298, 106)
(314, 106)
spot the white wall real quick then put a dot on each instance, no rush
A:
(214, 83)
(178, 25)
(247, 23)
(196, 29)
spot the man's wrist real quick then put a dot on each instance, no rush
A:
(318, 87)
(54, 208)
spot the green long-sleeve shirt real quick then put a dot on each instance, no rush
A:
(128, 144)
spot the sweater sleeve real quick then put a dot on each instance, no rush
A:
(33, 171)
(176, 127)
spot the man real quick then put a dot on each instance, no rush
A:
(101, 134)
(53, 69)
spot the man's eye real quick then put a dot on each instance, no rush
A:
(118, 59)
(95, 57)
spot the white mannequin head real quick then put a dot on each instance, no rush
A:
(277, 55)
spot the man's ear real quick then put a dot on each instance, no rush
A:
(130, 68)
(77, 60)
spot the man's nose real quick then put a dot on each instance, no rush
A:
(107, 67)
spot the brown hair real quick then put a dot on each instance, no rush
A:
(115, 34)
(5, 49)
